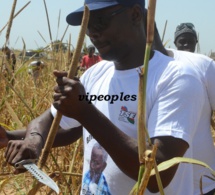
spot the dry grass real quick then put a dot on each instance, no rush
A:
(21, 105)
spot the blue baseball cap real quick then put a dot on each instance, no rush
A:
(75, 17)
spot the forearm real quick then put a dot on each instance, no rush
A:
(16, 134)
(66, 137)
(40, 125)
(168, 147)
(122, 148)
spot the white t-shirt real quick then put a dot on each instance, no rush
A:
(35, 66)
(176, 102)
(205, 67)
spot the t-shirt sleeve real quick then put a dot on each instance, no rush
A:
(210, 76)
(66, 122)
(177, 108)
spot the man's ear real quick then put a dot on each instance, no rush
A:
(137, 14)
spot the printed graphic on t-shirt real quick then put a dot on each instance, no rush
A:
(94, 181)
(126, 116)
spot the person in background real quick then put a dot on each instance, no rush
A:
(11, 59)
(204, 65)
(186, 37)
(90, 59)
(35, 70)
(8, 67)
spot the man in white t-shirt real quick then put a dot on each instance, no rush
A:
(35, 70)
(204, 65)
(205, 68)
(104, 103)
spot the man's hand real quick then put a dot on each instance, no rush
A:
(3, 138)
(67, 96)
(17, 150)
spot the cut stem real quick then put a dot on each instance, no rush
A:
(145, 162)
(71, 74)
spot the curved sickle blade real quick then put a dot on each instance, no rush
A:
(37, 173)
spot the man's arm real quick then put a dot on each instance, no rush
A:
(168, 148)
(6, 136)
(42, 125)
(16, 134)
(36, 134)
(124, 151)
(66, 137)
(31, 146)
(63, 137)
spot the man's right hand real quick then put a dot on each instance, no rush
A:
(3, 138)
(17, 150)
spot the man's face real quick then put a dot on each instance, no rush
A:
(97, 164)
(91, 51)
(186, 42)
(110, 33)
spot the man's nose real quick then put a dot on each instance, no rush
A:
(92, 33)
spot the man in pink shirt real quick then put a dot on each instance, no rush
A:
(90, 59)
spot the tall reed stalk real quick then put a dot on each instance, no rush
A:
(47, 17)
(42, 36)
(164, 31)
(146, 162)
(64, 33)
(15, 15)
(71, 74)
(10, 22)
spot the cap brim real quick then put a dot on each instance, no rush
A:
(75, 18)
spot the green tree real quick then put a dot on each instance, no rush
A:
(58, 45)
